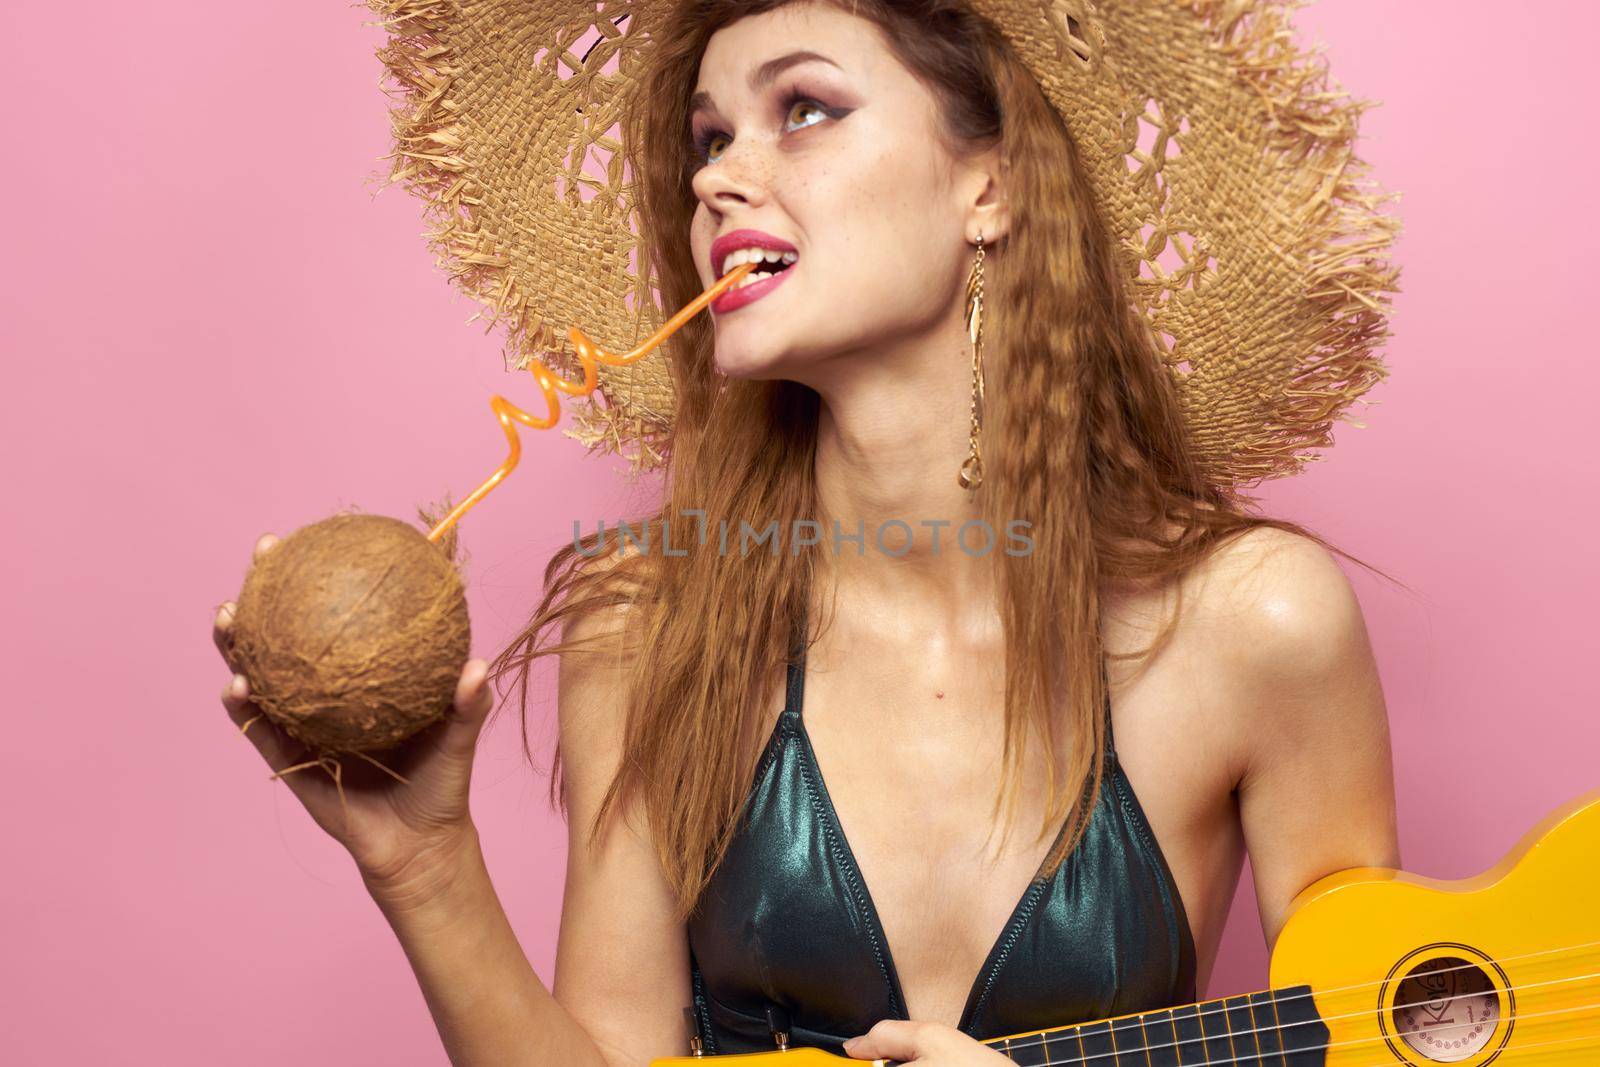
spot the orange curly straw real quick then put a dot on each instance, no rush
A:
(589, 354)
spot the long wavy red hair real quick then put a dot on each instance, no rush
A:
(1082, 438)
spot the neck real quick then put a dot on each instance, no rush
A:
(893, 431)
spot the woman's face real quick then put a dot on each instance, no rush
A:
(840, 160)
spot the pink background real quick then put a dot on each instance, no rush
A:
(220, 331)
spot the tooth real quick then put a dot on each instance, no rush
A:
(772, 255)
(790, 257)
(734, 259)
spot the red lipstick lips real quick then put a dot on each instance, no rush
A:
(731, 242)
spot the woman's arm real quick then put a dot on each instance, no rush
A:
(621, 966)
(622, 961)
(487, 1003)
(621, 979)
(1316, 780)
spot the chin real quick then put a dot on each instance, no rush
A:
(739, 361)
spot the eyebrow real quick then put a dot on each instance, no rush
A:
(764, 75)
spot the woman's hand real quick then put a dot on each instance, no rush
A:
(926, 1044)
(403, 837)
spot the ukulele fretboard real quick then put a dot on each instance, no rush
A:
(1275, 1027)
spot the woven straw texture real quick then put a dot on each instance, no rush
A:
(1221, 157)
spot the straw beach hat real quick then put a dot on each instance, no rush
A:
(1219, 156)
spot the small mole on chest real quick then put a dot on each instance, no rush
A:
(939, 694)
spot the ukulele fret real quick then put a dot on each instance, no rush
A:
(1127, 1039)
(1161, 1038)
(1241, 1035)
(1264, 1010)
(1214, 1044)
(1190, 1044)
(1095, 1039)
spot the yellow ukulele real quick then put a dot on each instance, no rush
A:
(1378, 967)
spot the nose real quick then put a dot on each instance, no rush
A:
(737, 179)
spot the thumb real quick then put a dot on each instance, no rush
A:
(890, 1040)
(473, 700)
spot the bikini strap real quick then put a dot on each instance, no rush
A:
(794, 687)
(1105, 682)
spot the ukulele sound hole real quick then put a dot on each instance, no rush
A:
(1446, 1009)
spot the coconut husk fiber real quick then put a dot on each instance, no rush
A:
(353, 632)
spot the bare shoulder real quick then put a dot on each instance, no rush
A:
(591, 687)
(597, 658)
(1268, 647)
(627, 571)
(1264, 633)
(1263, 600)
(1278, 602)
(1296, 674)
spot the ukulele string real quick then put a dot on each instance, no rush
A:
(1544, 1045)
(1581, 951)
(1582, 948)
(1327, 995)
(1259, 1055)
(1049, 1036)
(1520, 986)
(550, 384)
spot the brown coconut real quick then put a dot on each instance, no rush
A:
(353, 632)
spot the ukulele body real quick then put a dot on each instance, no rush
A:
(1418, 971)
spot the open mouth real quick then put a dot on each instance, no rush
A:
(755, 285)
(762, 273)
(769, 263)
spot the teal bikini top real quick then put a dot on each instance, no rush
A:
(787, 924)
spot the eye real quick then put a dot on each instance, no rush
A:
(703, 145)
(803, 104)
(795, 103)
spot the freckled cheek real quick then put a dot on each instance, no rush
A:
(701, 233)
(865, 218)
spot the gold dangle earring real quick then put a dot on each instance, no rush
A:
(971, 475)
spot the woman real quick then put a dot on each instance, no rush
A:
(902, 154)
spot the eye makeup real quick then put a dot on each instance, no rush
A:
(700, 141)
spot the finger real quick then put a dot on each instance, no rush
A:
(890, 1039)
(273, 744)
(222, 630)
(280, 751)
(263, 544)
(473, 699)
(474, 696)
(222, 623)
